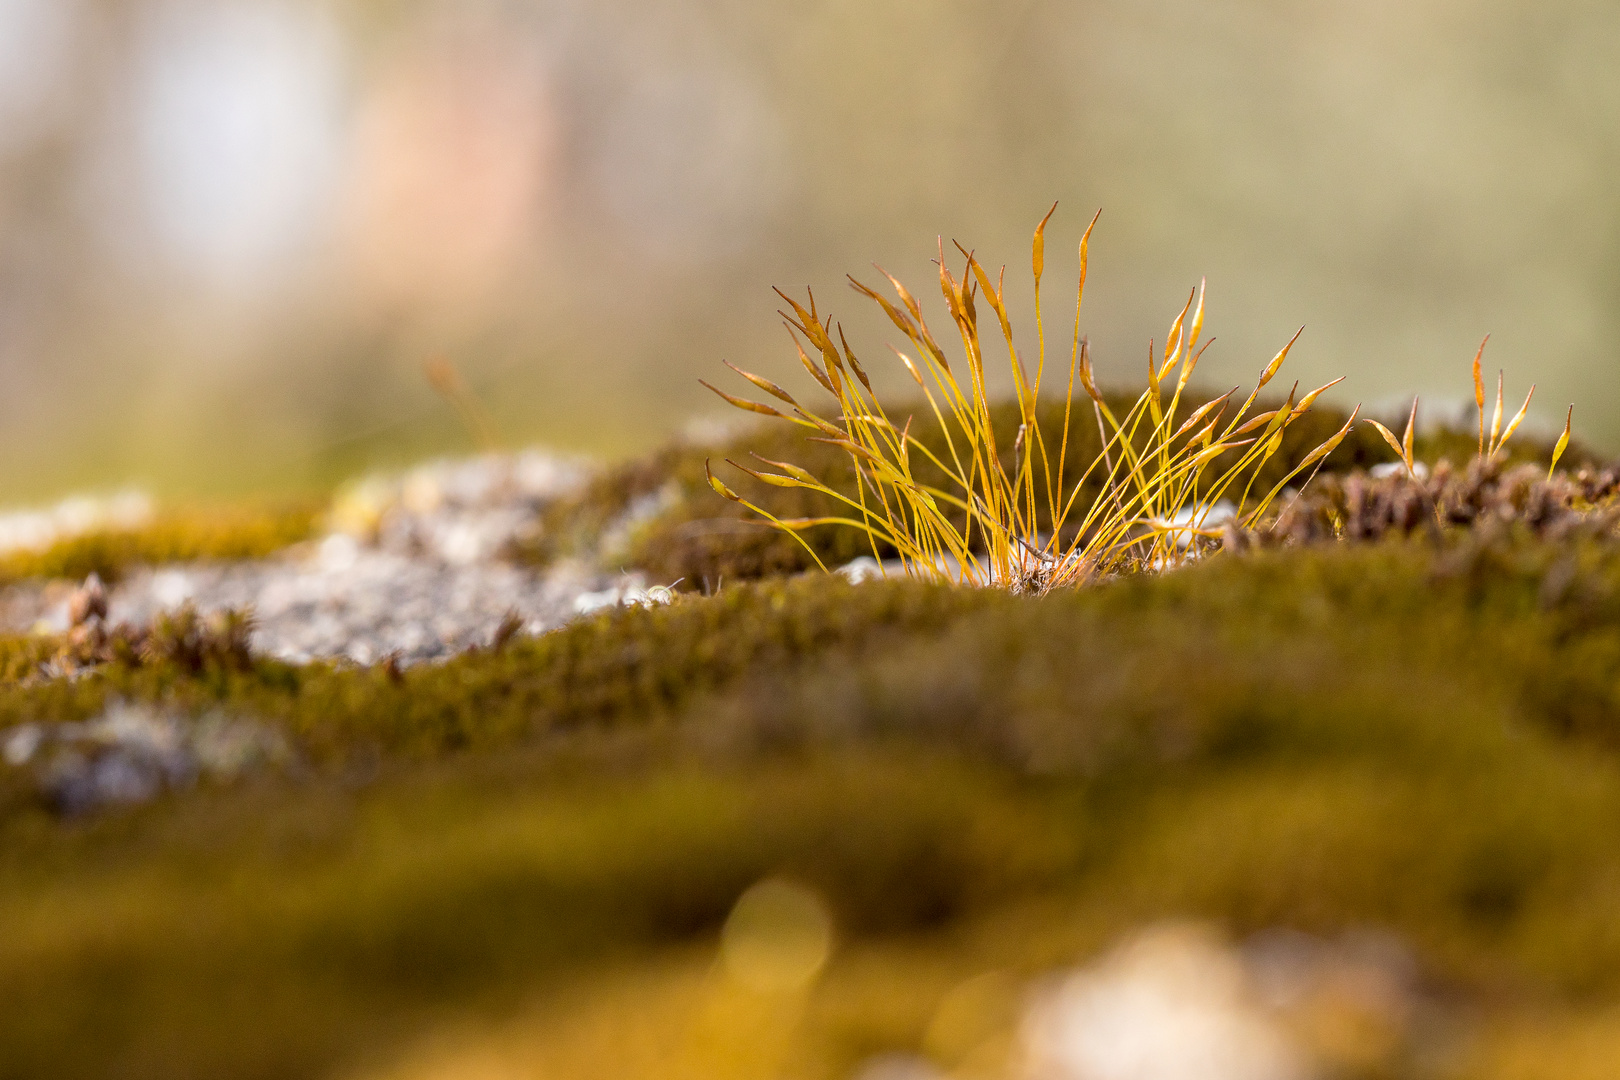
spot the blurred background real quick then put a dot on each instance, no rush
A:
(233, 232)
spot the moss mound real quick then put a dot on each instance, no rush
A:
(661, 516)
(1417, 735)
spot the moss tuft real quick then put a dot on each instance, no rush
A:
(662, 517)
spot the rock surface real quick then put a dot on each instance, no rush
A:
(417, 566)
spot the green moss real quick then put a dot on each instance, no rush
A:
(1418, 736)
(174, 535)
(253, 937)
(639, 661)
(1474, 594)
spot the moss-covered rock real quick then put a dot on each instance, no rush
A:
(1415, 735)
(1419, 733)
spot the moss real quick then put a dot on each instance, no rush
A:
(1421, 736)
(699, 539)
(174, 535)
(250, 937)
(627, 662)
(1469, 590)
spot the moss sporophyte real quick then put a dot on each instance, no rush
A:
(942, 495)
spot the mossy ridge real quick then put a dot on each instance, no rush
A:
(176, 534)
(633, 661)
(1384, 737)
(702, 541)
(1499, 599)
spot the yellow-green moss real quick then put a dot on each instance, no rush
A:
(1415, 736)
(174, 535)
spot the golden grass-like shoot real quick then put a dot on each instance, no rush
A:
(1563, 442)
(1479, 393)
(1402, 446)
(1489, 444)
(1019, 524)
(1490, 447)
(446, 379)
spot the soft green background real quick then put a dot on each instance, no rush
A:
(1399, 177)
